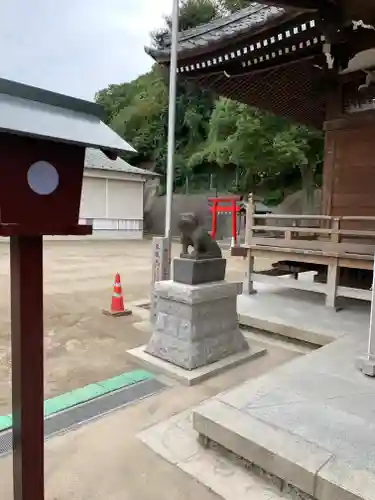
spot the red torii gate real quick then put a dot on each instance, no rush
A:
(225, 204)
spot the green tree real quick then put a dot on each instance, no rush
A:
(192, 13)
(302, 147)
(142, 119)
(113, 99)
(212, 134)
(242, 137)
(233, 5)
(138, 110)
(260, 146)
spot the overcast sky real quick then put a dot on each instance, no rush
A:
(77, 46)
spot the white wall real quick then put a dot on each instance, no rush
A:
(93, 201)
(113, 203)
(125, 199)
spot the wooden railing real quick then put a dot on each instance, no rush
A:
(326, 235)
(317, 240)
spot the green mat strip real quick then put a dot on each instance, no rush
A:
(84, 394)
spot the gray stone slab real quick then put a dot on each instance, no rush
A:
(195, 272)
(201, 311)
(194, 354)
(290, 389)
(325, 374)
(193, 377)
(171, 440)
(338, 480)
(346, 435)
(305, 334)
(176, 441)
(239, 396)
(160, 268)
(285, 455)
(301, 315)
(193, 294)
(193, 333)
(190, 323)
(321, 401)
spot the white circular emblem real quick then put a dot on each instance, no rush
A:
(42, 177)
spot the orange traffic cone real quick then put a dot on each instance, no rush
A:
(117, 304)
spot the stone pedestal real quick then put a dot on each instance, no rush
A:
(366, 364)
(194, 272)
(196, 324)
(160, 268)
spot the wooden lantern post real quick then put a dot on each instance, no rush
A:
(43, 137)
(27, 358)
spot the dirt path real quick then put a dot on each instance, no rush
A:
(81, 344)
(105, 460)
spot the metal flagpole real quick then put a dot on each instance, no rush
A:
(371, 337)
(171, 123)
(161, 252)
(366, 363)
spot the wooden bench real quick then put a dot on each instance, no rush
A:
(313, 241)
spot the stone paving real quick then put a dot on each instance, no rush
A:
(301, 315)
(310, 422)
(176, 441)
(105, 460)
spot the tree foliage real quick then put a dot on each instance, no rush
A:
(138, 112)
(211, 132)
(233, 5)
(262, 146)
(192, 13)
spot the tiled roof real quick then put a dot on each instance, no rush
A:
(248, 20)
(98, 160)
(266, 56)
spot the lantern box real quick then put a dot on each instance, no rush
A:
(43, 137)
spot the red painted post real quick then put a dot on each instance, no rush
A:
(228, 205)
(214, 218)
(26, 265)
(234, 223)
(41, 172)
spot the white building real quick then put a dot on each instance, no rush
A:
(112, 196)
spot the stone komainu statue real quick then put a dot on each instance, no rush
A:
(194, 235)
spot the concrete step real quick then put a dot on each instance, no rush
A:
(221, 472)
(303, 466)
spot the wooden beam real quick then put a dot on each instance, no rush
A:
(354, 293)
(308, 286)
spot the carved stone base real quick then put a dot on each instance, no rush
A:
(196, 324)
(195, 272)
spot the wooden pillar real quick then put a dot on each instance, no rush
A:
(26, 265)
(332, 280)
(334, 109)
(250, 271)
(248, 237)
(333, 270)
(250, 209)
(214, 219)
